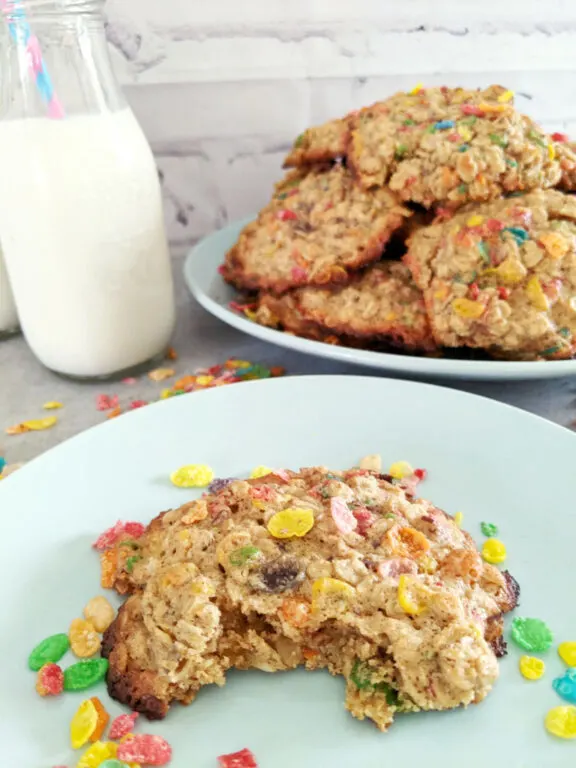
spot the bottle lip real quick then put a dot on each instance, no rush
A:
(15, 11)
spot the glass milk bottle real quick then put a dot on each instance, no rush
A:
(8, 315)
(81, 222)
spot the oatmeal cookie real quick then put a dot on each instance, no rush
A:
(451, 146)
(320, 143)
(566, 153)
(318, 227)
(502, 276)
(345, 571)
(379, 306)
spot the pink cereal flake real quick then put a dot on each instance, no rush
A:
(365, 519)
(342, 515)
(145, 748)
(282, 474)
(109, 538)
(122, 725)
(107, 403)
(242, 759)
(138, 404)
(263, 493)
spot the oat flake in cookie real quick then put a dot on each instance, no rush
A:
(378, 587)
(318, 227)
(502, 276)
(380, 305)
(450, 145)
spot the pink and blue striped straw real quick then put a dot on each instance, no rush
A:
(23, 36)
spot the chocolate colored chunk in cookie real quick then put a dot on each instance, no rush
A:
(451, 146)
(399, 603)
(319, 226)
(501, 277)
(320, 143)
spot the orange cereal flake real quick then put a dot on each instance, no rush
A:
(103, 718)
(108, 566)
(406, 542)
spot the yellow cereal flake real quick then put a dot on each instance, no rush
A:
(494, 551)
(400, 469)
(536, 294)
(467, 308)
(531, 668)
(485, 107)
(192, 476)
(459, 518)
(260, 471)
(291, 522)
(97, 753)
(204, 381)
(506, 96)
(416, 89)
(510, 271)
(329, 587)
(475, 221)
(37, 425)
(464, 132)
(551, 152)
(567, 652)
(52, 405)
(555, 245)
(412, 595)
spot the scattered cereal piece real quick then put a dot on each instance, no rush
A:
(494, 551)
(291, 522)
(119, 530)
(531, 668)
(420, 474)
(102, 722)
(242, 759)
(342, 515)
(400, 469)
(192, 476)
(97, 753)
(160, 374)
(84, 674)
(147, 749)
(532, 634)
(99, 612)
(50, 680)
(129, 380)
(83, 724)
(138, 404)
(2, 464)
(113, 763)
(52, 405)
(84, 640)
(166, 393)
(561, 722)
(108, 566)
(567, 652)
(459, 518)
(565, 686)
(260, 471)
(51, 649)
(373, 462)
(106, 403)
(122, 725)
(171, 354)
(17, 429)
(489, 529)
(114, 413)
(37, 425)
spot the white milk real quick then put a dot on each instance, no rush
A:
(84, 240)
(8, 315)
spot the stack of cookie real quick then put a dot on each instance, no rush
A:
(431, 222)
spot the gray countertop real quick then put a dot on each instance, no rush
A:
(200, 341)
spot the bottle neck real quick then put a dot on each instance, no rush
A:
(55, 60)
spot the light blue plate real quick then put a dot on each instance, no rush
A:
(210, 290)
(488, 460)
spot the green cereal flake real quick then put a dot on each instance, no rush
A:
(532, 634)
(489, 529)
(50, 650)
(400, 151)
(84, 674)
(131, 562)
(550, 350)
(565, 332)
(500, 141)
(462, 189)
(300, 140)
(242, 555)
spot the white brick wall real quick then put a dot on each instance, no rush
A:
(222, 86)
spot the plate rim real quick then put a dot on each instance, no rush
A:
(410, 365)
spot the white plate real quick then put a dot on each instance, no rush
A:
(488, 460)
(210, 290)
